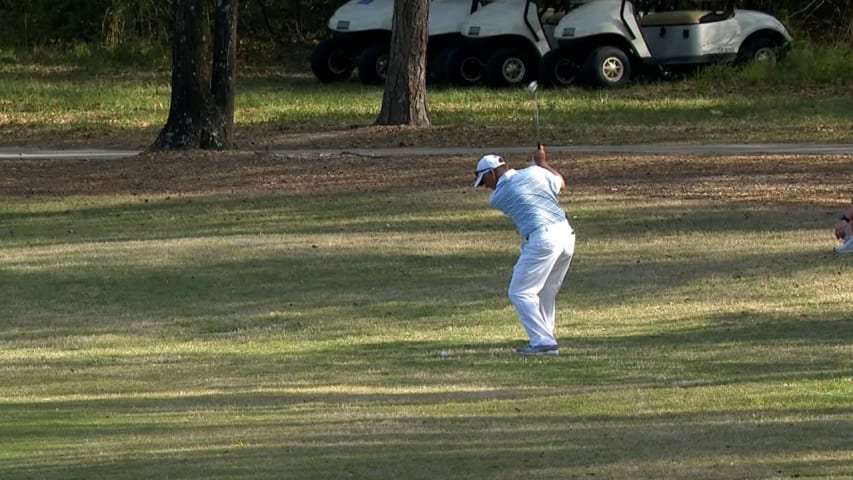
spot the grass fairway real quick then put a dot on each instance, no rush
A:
(294, 331)
(68, 103)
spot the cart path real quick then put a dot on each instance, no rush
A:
(664, 148)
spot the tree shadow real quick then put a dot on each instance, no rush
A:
(285, 436)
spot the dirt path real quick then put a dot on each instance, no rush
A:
(733, 177)
(670, 148)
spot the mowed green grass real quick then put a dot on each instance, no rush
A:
(298, 336)
(54, 100)
(272, 336)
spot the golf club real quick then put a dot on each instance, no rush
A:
(532, 87)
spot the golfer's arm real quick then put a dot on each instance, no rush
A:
(544, 164)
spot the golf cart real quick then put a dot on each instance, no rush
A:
(358, 29)
(361, 37)
(446, 20)
(604, 41)
(505, 39)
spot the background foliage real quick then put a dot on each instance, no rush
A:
(290, 23)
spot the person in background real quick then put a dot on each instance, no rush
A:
(844, 230)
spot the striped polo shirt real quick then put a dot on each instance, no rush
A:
(529, 197)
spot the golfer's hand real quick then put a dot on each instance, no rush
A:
(539, 155)
(840, 227)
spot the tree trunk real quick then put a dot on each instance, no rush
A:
(201, 113)
(221, 127)
(404, 99)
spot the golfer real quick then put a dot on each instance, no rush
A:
(529, 197)
(844, 230)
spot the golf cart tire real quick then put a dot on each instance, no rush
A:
(759, 49)
(508, 67)
(556, 69)
(608, 67)
(330, 61)
(435, 67)
(373, 64)
(462, 67)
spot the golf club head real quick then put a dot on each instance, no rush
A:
(532, 87)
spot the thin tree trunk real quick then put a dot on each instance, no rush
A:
(219, 134)
(404, 99)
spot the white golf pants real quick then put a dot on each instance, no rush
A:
(536, 278)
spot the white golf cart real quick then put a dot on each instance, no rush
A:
(505, 39)
(361, 37)
(604, 41)
(357, 28)
(446, 20)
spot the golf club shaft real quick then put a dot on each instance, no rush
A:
(532, 89)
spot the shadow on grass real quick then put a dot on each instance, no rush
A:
(352, 283)
(724, 350)
(162, 217)
(275, 105)
(291, 414)
(366, 284)
(272, 437)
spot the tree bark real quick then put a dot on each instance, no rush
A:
(221, 127)
(201, 113)
(404, 98)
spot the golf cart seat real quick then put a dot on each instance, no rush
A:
(551, 17)
(679, 17)
(684, 17)
(718, 16)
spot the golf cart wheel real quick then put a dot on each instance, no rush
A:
(373, 64)
(759, 49)
(608, 67)
(435, 66)
(558, 70)
(330, 61)
(462, 67)
(508, 67)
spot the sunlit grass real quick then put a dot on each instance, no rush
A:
(802, 99)
(283, 335)
(271, 336)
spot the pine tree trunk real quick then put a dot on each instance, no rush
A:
(404, 99)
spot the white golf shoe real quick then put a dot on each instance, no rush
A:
(538, 350)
